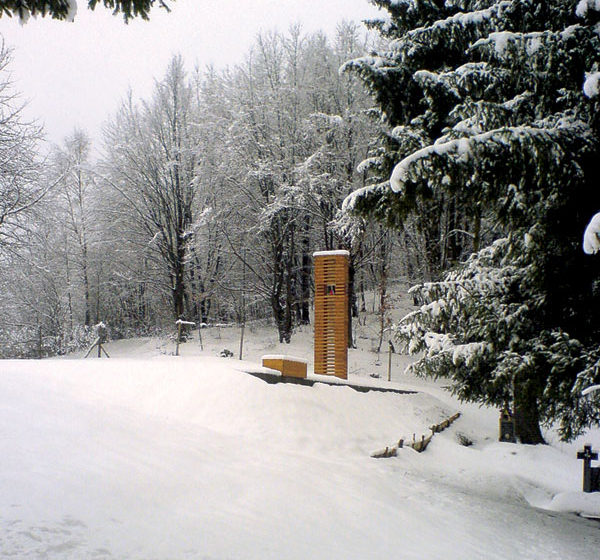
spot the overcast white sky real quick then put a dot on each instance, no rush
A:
(75, 74)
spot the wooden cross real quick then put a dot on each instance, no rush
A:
(587, 455)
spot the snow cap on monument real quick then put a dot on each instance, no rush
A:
(342, 252)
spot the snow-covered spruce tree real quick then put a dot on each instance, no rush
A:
(493, 103)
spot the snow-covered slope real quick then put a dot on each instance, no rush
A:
(172, 458)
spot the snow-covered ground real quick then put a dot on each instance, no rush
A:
(151, 456)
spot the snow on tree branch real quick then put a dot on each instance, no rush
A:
(585, 5)
(591, 86)
(591, 237)
(590, 390)
(532, 41)
(463, 147)
(430, 35)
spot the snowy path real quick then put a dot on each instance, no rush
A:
(188, 458)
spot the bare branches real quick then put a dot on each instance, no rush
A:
(21, 182)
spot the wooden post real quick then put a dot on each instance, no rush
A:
(331, 313)
(180, 323)
(40, 343)
(100, 340)
(389, 360)
(243, 310)
(96, 343)
(242, 340)
(102, 337)
(178, 338)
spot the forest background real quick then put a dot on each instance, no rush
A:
(206, 204)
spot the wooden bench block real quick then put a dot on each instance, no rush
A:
(287, 365)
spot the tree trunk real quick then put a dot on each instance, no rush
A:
(178, 293)
(477, 233)
(86, 290)
(282, 319)
(205, 305)
(383, 280)
(289, 300)
(305, 275)
(179, 280)
(280, 304)
(527, 421)
(97, 298)
(363, 302)
(351, 303)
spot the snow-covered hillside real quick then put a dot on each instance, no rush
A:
(150, 456)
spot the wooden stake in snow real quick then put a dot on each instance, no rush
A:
(390, 348)
(102, 335)
(243, 310)
(418, 445)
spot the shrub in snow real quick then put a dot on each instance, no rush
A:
(29, 341)
(81, 337)
(464, 440)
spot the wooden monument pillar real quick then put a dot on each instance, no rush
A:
(331, 313)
